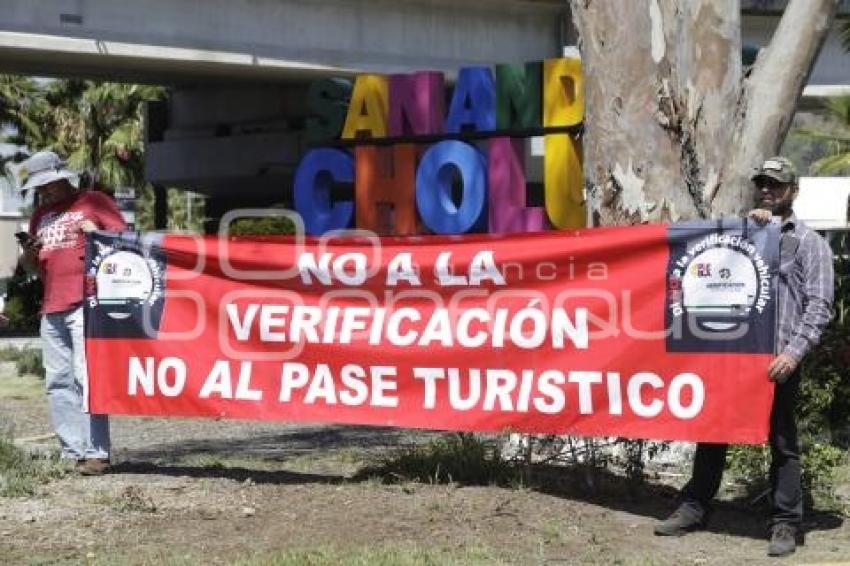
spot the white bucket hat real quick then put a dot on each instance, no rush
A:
(42, 168)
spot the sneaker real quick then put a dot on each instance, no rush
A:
(91, 467)
(684, 519)
(783, 540)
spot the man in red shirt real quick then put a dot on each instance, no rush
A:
(56, 248)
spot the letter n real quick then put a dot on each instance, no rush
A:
(417, 104)
(518, 97)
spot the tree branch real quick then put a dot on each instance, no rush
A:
(770, 96)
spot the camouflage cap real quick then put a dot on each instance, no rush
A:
(777, 168)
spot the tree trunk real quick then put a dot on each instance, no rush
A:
(672, 129)
(770, 94)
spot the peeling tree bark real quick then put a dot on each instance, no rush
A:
(672, 130)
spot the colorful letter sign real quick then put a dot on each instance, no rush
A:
(444, 148)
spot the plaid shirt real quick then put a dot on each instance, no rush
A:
(805, 288)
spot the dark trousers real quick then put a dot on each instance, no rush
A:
(784, 465)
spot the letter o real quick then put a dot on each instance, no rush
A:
(178, 370)
(434, 180)
(358, 275)
(538, 334)
(674, 395)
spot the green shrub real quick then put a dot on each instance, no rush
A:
(30, 363)
(457, 457)
(826, 382)
(820, 461)
(21, 473)
(749, 465)
(272, 226)
(636, 454)
(28, 360)
(23, 302)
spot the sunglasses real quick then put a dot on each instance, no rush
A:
(772, 185)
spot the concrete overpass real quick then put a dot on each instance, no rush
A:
(187, 41)
(180, 42)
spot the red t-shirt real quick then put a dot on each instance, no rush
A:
(62, 256)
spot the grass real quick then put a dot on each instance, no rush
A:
(380, 555)
(22, 382)
(224, 461)
(131, 499)
(21, 388)
(22, 473)
(408, 555)
(346, 458)
(462, 458)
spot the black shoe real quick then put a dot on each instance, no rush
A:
(783, 540)
(684, 519)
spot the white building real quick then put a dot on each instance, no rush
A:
(824, 202)
(11, 221)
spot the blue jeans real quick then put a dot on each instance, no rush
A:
(81, 435)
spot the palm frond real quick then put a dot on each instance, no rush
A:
(839, 107)
(820, 135)
(96, 126)
(838, 164)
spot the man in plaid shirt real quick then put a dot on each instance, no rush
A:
(804, 308)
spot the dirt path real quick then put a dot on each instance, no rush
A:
(193, 491)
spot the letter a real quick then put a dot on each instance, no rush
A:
(369, 108)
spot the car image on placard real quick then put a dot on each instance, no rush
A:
(719, 288)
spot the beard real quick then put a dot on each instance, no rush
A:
(777, 207)
(781, 208)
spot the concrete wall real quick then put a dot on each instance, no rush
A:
(9, 224)
(218, 138)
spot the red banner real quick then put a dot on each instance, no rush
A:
(643, 332)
